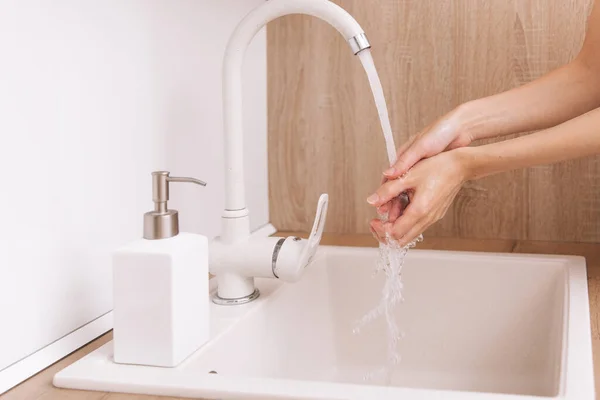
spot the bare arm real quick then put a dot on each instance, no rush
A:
(579, 137)
(434, 182)
(558, 96)
(563, 104)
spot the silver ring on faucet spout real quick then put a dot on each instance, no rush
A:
(274, 257)
(359, 43)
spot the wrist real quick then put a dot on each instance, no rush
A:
(468, 163)
(474, 119)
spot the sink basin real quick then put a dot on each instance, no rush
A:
(476, 325)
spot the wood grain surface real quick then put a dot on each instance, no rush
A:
(40, 386)
(432, 55)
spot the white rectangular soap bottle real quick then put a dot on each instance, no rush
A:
(160, 288)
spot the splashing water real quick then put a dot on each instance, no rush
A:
(391, 255)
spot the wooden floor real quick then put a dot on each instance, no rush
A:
(40, 386)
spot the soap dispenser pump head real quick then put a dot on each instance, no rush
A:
(162, 223)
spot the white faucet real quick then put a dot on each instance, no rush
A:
(236, 258)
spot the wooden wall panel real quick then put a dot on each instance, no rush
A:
(432, 55)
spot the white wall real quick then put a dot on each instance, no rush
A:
(94, 95)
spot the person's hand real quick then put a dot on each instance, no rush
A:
(447, 133)
(431, 185)
(393, 208)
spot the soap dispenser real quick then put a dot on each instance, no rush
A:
(160, 288)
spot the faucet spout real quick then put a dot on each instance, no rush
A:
(235, 222)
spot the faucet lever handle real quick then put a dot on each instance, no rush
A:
(317, 229)
(291, 255)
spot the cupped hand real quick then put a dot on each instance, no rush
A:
(432, 184)
(447, 133)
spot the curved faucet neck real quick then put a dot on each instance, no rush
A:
(235, 202)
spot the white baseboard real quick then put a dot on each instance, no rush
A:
(16, 373)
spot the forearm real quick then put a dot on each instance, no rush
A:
(561, 95)
(579, 137)
(558, 96)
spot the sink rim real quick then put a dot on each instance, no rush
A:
(576, 381)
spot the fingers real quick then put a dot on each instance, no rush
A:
(384, 208)
(404, 230)
(403, 225)
(406, 145)
(395, 209)
(407, 159)
(454, 145)
(413, 222)
(388, 191)
(378, 230)
(409, 154)
(458, 142)
(374, 233)
(411, 140)
(414, 232)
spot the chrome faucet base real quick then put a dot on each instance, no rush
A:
(235, 302)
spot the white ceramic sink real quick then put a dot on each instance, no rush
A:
(477, 326)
